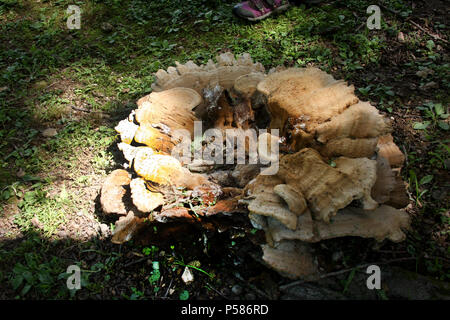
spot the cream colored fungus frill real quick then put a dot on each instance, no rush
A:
(338, 167)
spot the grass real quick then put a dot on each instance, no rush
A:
(49, 73)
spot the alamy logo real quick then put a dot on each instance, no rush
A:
(374, 20)
(74, 20)
(74, 280)
(240, 145)
(374, 280)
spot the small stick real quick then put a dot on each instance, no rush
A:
(436, 37)
(406, 155)
(167, 291)
(218, 292)
(136, 262)
(80, 109)
(261, 293)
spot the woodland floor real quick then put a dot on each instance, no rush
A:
(82, 82)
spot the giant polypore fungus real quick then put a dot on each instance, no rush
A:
(338, 166)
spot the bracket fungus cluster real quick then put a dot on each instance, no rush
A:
(338, 167)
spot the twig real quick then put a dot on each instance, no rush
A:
(328, 3)
(434, 36)
(360, 26)
(136, 262)
(168, 288)
(50, 85)
(406, 155)
(67, 248)
(217, 291)
(389, 9)
(80, 109)
(261, 293)
(332, 274)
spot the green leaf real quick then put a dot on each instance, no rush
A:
(426, 179)
(156, 274)
(45, 277)
(349, 280)
(28, 276)
(16, 282)
(154, 277)
(364, 91)
(382, 294)
(201, 270)
(446, 147)
(184, 295)
(25, 289)
(63, 275)
(6, 194)
(430, 44)
(422, 193)
(443, 125)
(36, 25)
(19, 269)
(27, 178)
(134, 296)
(439, 109)
(421, 125)
(31, 260)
